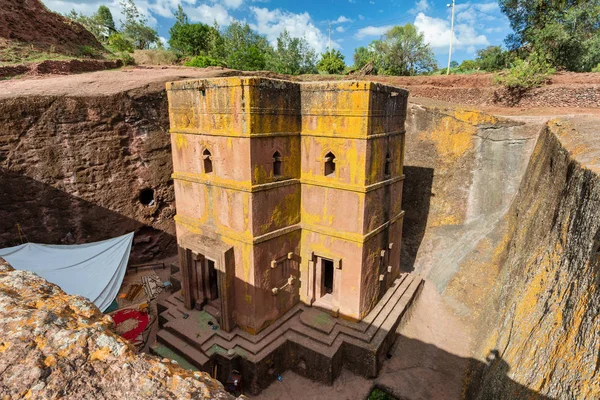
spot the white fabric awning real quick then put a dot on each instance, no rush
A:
(93, 270)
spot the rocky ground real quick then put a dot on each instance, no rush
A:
(53, 345)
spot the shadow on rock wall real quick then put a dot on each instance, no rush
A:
(31, 211)
(416, 197)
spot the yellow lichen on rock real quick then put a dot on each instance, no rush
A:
(50, 332)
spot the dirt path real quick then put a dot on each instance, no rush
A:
(427, 363)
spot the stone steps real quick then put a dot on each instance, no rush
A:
(212, 310)
(187, 351)
(291, 327)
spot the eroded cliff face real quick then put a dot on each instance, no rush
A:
(502, 216)
(463, 168)
(53, 345)
(545, 318)
(82, 169)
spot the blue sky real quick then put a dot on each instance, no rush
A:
(354, 22)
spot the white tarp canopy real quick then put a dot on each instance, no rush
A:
(93, 270)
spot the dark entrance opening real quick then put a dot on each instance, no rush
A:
(277, 164)
(327, 275)
(213, 283)
(147, 197)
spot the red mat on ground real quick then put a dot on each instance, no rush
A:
(130, 323)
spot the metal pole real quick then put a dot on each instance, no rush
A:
(451, 38)
(330, 37)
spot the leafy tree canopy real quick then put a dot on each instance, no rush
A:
(190, 39)
(100, 24)
(332, 62)
(135, 27)
(566, 32)
(492, 58)
(244, 49)
(403, 51)
(105, 19)
(180, 16)
(292, 56)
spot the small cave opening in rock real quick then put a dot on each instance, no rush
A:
(147, 197)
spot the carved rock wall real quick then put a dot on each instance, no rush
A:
(72, 170)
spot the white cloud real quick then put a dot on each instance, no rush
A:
(208, 14)
(437, 33)
(352, 1)
(340, 29)
(85, 7)
(341, 19)
(88, 7)
(371, 2)
(272, 22)
(164, 8)
(471, 13)
(494, 30)
(372, 31)
(361, 17)
(488, 7)
(232, 4)
(420, 6)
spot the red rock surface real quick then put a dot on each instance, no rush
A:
(30, 22)
(53, 345)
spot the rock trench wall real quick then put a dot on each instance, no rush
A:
(502, 216)
(72, 170)
(53, 345)
(545, 317)
(463, 169)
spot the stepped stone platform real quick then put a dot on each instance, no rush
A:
(306, 340)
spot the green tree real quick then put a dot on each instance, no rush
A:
(190, 39)
(403, 51)
(202, 62)
(332, 62)
(180, 16)
(468, 65)
(100, 24)
(118, 42)
(525, 74)
(216, 43)
(292, 56)
(105, 19)
(362, 56)
(135, 27)
(245, 49)
(565, 32)
(492, 58)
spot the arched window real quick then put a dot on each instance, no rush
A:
(388, 165)
(277, 164)
(329, 164)
(207, 157)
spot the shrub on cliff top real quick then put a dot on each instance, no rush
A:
(526, 74)
(202, 62)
